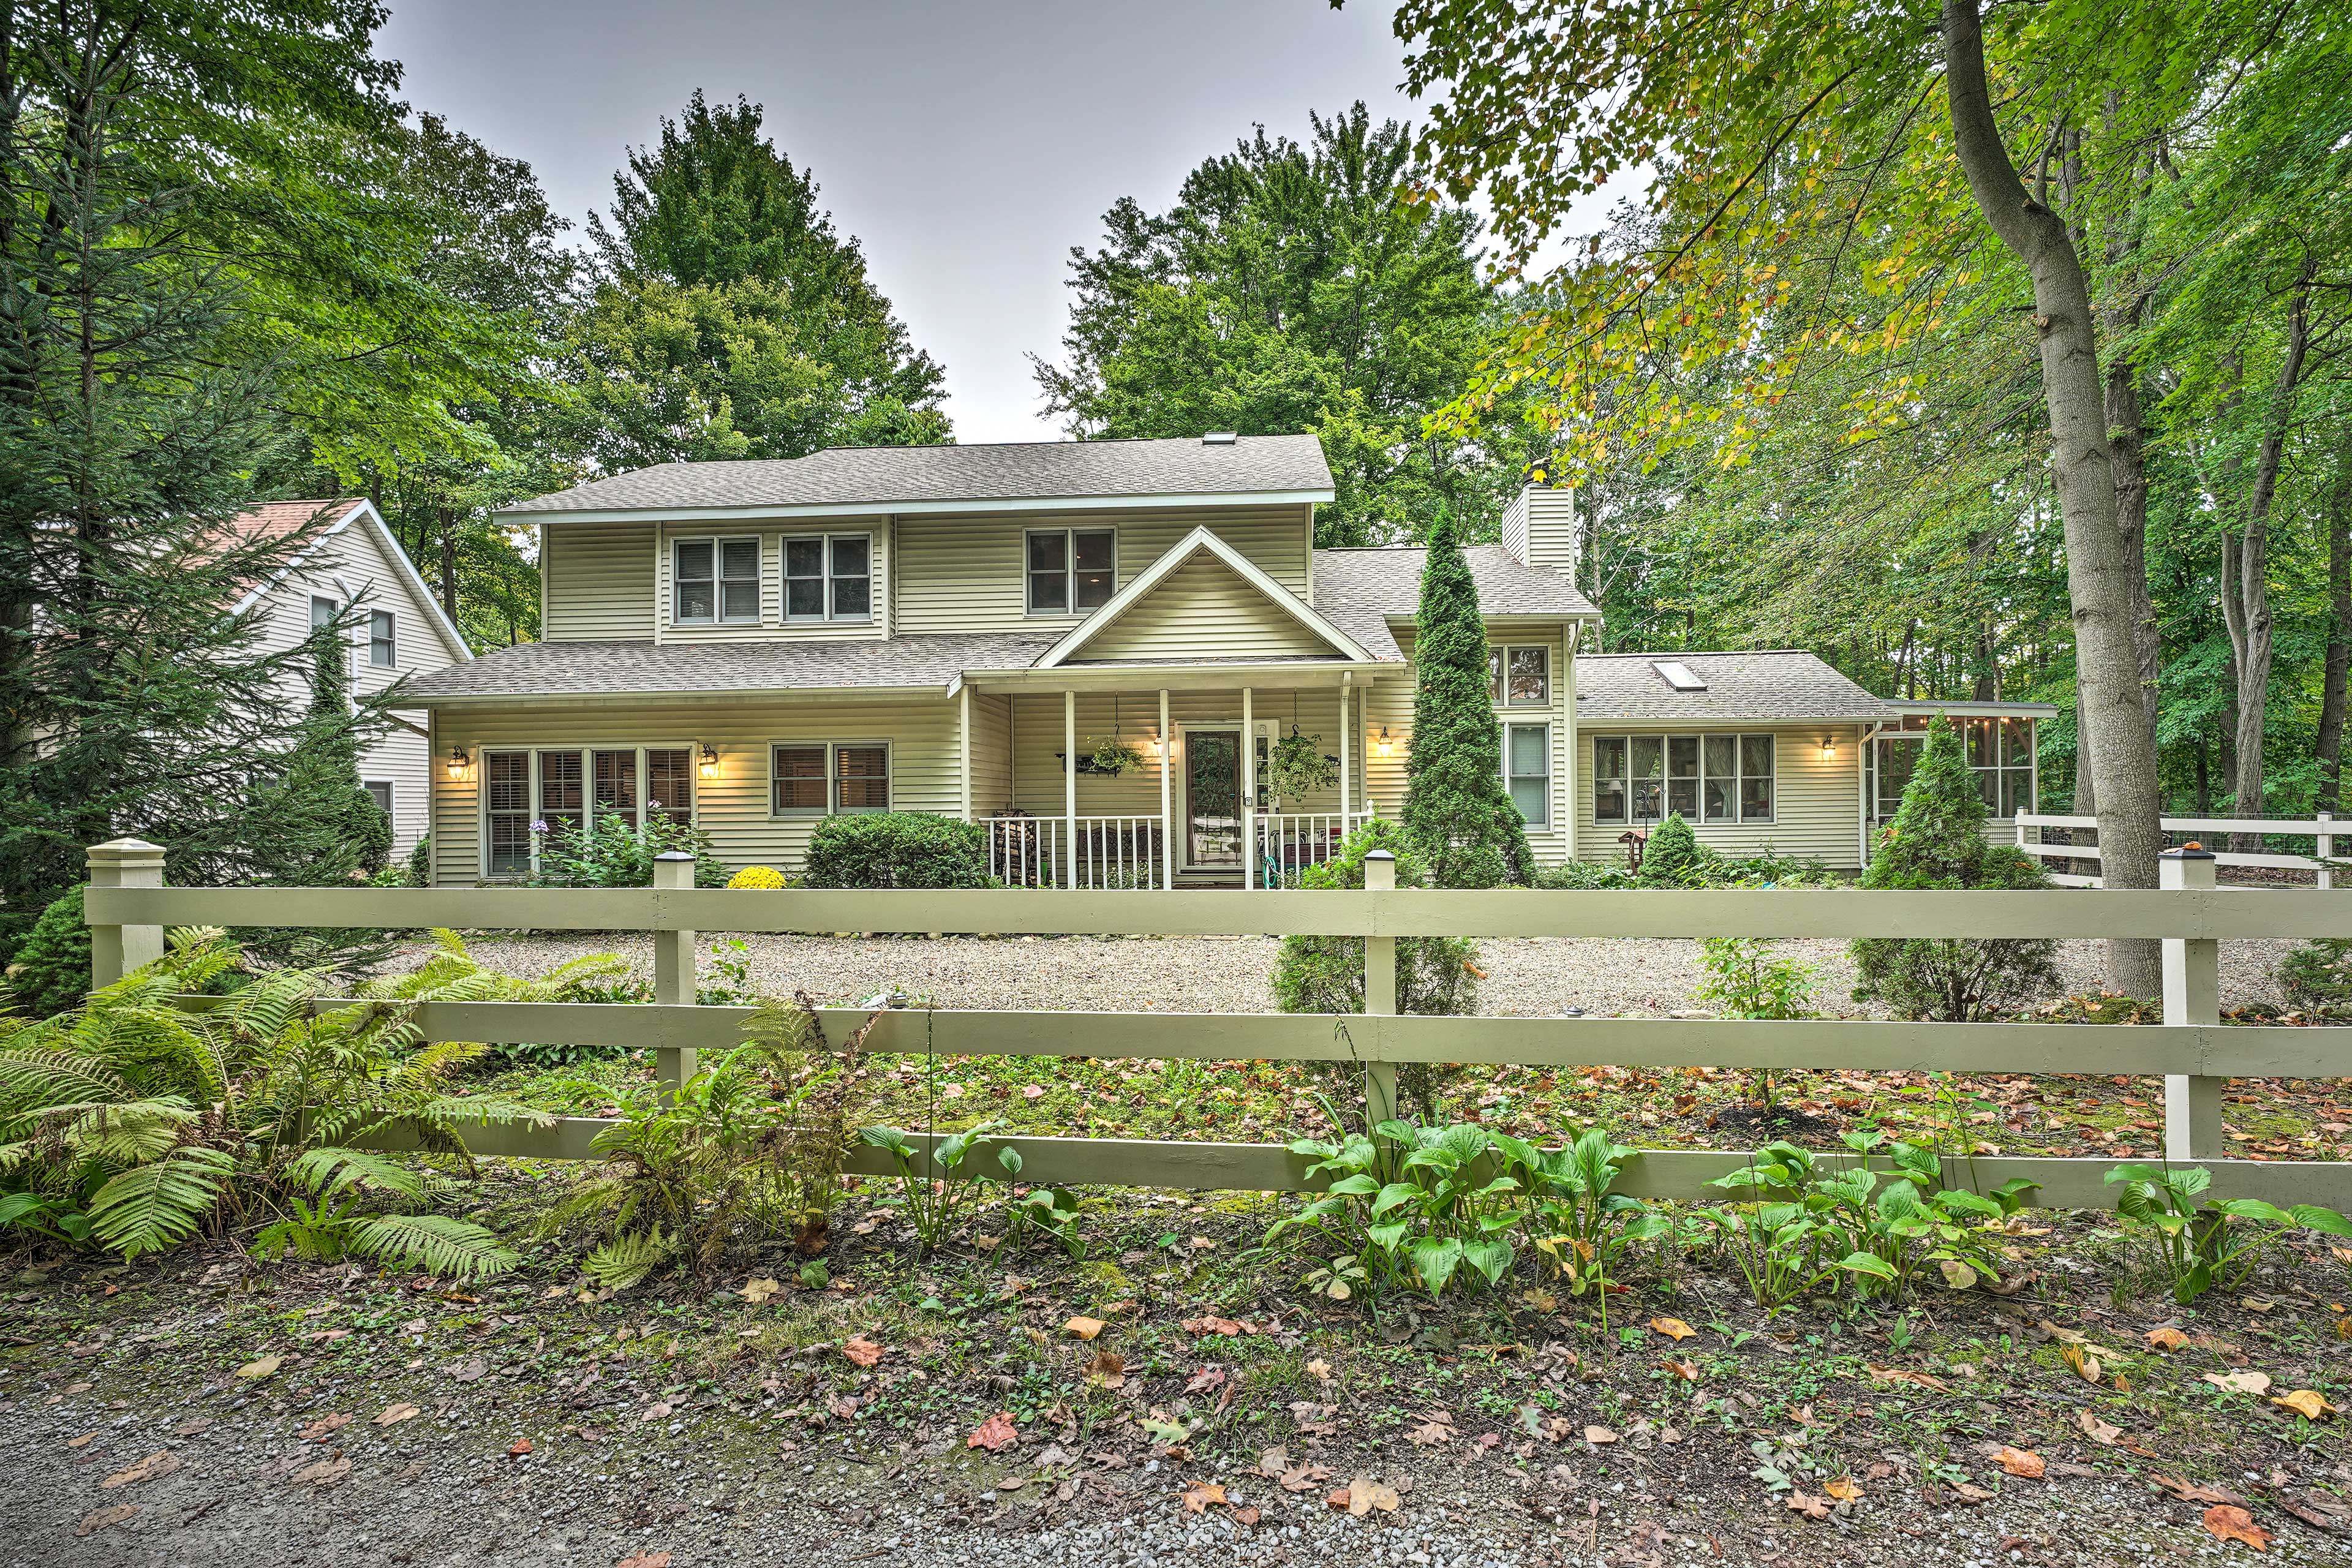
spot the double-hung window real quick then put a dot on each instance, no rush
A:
(567, 789)
(818, 778)
(1519, 676)
(1071, 570)
(715, 581)
(1700, 778)
(382, 651)
(1527, 770)
(829, 577)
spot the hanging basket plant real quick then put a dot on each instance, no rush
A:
(1115, 756)
(1296, 764)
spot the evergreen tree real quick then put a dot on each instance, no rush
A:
(132, 698)
(729, 320)
(1936, 840)
(1671, 857)
(1455, 805)
(51, 970)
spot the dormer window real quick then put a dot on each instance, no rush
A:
(1071, 570)
(716, 581)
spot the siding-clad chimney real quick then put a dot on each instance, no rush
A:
(1539, 526)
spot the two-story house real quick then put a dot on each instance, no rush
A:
(354, 572)
(755, 646)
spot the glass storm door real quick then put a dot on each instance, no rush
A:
(1213, 798)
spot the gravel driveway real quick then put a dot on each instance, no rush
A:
(1526, 976)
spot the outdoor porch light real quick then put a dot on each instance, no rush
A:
(709, 760)
(457, 764)
(1829, 747)
(1384, 743)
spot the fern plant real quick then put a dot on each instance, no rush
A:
(332, 1212)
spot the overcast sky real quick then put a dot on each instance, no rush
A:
(968, 146)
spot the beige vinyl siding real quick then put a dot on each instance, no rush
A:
(965, 573)
(1391, 705)
(1816, 804)
(733, 809)
(772, 626)
(1551, 530)
(600, 581)
(992, 754)
(1204, 609)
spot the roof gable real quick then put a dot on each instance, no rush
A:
(1171, 608)
(280, 518)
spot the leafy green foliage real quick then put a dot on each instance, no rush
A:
(325, 1220)
(2198, 1243)
(1671, 857)
(1040, 1211)
(897, 849)
(51, 970)
(1296, 764)
(1578, 1223)
(1936, 840)
(1748, 978)
(932, 1192)
(1455, 805)
(1415, 1204)
(2317, 976)
(607, 852)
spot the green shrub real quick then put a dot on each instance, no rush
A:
(420, 863)
(1470, 832)
(1582, 876)
(51, 972)
(1673, 858)
(1435, 974)
(608, 852)
(2317, 976)
(897, 849)
(1936, 840)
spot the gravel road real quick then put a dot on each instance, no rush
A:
(1526, 976)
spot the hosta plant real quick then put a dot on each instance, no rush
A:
(1421, 1205)
(1051, 1212)
(933, 1190)
(2198, 1242)
(1577, 1222)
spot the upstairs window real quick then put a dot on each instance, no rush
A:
(716, 581)
(829, 577)
(1519, 677)
(382, 651)
(1071, 570)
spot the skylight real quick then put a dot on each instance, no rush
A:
(1219, 439)
(1677, 675)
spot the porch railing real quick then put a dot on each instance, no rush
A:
(1107, 853)
(1290, 841)
(128, 910)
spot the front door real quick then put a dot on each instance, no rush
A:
(1213, 798)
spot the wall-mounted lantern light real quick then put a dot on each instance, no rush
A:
(1384, 743)
(709, 760)
(457, 764)
(1829, 747)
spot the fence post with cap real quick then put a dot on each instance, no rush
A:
(116, 950)
(2192, 994)
(1379, 992)
(674, 972)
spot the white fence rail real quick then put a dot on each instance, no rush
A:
(128, 910)
(2320, 829)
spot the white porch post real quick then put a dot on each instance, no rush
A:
(1249, 793)
(963, 749)
(1166, 795)
(1346, 794)
(1070, 789)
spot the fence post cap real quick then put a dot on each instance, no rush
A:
(2187, 854)
(1380, 855)
(122, 851)
(674, 855)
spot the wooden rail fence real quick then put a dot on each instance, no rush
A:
(128, 910)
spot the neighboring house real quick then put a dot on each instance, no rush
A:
(399, 630)
(755, 646)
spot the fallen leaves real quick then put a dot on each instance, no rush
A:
(2241, 1382)
(1685, 1370)
(1199, 1496)
(1674, 1328)
(80, 1442)
(517, 1448)
(1598, 1436)
(323, 1473)
(161, 1462)
(2224, 1522)
(757, 1291)
(2195, 1492)
(1904, 1375)
(997, 1433)
(2309, 1404)
(1108, 1370)
(255, 1371)
(860, 1350)
(1435, 1431)
(2022, 1462)
(395, 1414)
(1209, 1323)
(2166, 1338)
(1843, 1489)
(2096, 1430)
(1804, 1502)
(1362, 1495)
(2086, 1365)
(317, 1430)
(92, 1523)
(1084, 1328)
(644, 1560)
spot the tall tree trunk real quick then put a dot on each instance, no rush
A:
(2339, 631)
(2247, 611)
(2098, 579)
(2125, 312)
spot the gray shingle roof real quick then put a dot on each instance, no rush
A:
(1739, 685)
(884, 477)
(1388, 582)
(617, 668)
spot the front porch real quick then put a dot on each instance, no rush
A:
(1192, 794)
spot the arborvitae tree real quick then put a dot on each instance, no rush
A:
(51, 970)
(132, 698)
(1936, 840)
(1455, 805)
(326, 827)
(1671, 857)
